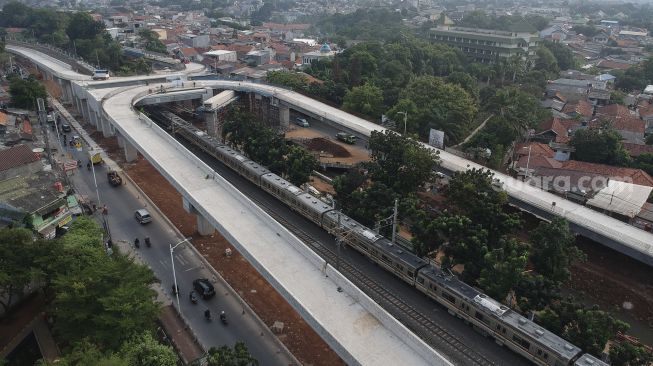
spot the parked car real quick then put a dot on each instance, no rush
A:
(114, 179)
(66, 128)
(302, 122)
(142, 216)
(204, 288)
(347, 138)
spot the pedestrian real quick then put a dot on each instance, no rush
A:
(105, 211)
(94, 207)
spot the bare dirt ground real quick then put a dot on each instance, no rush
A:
(357, 154)
(297, 336)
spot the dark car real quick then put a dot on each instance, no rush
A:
(66, 128)
(204, 288)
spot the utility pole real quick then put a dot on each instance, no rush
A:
(394, 221)
(44, 128)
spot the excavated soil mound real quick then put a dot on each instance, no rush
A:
(328, 146)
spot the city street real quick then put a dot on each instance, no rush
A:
(121, 203)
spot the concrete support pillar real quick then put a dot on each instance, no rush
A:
(284, 117)
(104, 125)
(212, 127)
(203, 226)
(78, 104)
(93, 117)
(121, 140)
(130, 151)
(85, 111)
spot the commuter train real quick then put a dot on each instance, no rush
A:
(487, 315)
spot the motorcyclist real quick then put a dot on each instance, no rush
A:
(223, 316)
(137, 243)
(147, 241)
(88, 166)
(207, 314)
(193, 296)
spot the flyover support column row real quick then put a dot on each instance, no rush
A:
(211, 119)
(284, 117)
(204, 227)
(131, 153)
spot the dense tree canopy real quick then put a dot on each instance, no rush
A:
(439, 105)
(265, 146)
(599, 145)
(366, 99)
(553, 249)
(226, 356)
(25, 92)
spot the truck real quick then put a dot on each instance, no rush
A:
(347, 138)
(96, 158)
(114, 178)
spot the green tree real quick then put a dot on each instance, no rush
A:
(300, 165)
(562, 53)
(535, 292)
(85, 353)
(100, 298)
(347, 183)
(463, 242)
(503, 269)
(236, 356)
(144, 350)
(17, 270)
(400, 163)
(553, 249)
(366, 99)
(521, 110)
(25, 92)
(293, 80)
(626, 354)
(473, 193)
(465, 81)
(599, 145)
(151, 41)
(546, 61)
(588, 328)
(82, 26)
(644, 162)
(439, 105)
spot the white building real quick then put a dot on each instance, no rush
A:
(222, 55)
(325, 52)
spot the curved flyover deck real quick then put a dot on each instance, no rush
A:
(356, 327)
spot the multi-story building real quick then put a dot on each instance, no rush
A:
(486, 45)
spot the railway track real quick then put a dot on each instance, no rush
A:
(429, 331)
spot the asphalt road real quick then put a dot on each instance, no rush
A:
(456, 327)
(121, 203)
(323, 127)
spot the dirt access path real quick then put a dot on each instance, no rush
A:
(297, 335)
(357, 153)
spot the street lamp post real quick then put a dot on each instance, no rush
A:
(174, 275)
(528, 159)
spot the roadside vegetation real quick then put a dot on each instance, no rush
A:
(102, 307)
(75, 32)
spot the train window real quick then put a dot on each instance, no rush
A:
(410, 273)
(522, 342)
(420, 280)
(479, 316)
(384, 258)
(448, 297)
(401, 268)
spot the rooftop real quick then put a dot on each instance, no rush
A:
(30, 193)
(16, 156)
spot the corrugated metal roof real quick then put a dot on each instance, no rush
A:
(623, 198)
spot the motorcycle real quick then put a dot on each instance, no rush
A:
(223, 318)
(207, 315)
(175, 290)
(137, 243)
(147, 242)
(193, 297)
(88, 166)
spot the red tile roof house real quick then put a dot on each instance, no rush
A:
(18, 160)
(629, 126)
(556, 130)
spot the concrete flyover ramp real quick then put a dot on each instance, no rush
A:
(353, 324)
